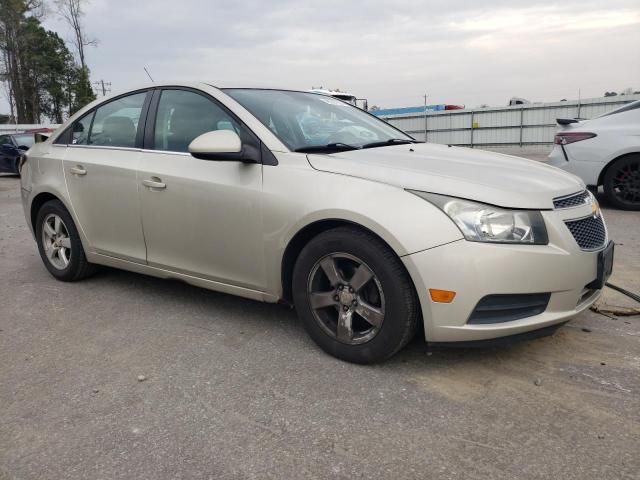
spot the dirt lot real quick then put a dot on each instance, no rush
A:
(235, 389)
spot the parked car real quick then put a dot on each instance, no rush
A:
(604, 151)
(12, 146)
(372, 238)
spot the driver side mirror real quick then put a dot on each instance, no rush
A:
(217, 145)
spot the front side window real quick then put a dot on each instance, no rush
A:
(116, 123)
(5, 140)
(24, 140)
(80, 133)
(183, 116)
(305, 121)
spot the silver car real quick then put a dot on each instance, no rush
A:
(300, 198)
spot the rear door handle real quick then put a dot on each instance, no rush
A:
(155, 183)
(78, 170)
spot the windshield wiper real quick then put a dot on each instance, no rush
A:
(334, 147)
(391, 141)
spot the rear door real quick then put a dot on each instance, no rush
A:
(100, 167)
(202, 217)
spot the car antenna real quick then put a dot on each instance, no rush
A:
(148, 74)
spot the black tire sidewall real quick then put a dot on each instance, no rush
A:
(399, 323)
(72, 270)
(608, 188)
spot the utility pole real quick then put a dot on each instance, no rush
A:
(579, 103)
(103, 87)
(425, 117)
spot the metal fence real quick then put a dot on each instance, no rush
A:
(532, 125)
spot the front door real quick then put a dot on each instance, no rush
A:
(200, 217)
(100, 167)
(8, 154)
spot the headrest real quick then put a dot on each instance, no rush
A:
(120, 130)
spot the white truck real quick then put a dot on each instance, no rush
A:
(344, 96)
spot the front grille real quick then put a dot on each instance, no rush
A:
(589, 232)
(506, 308)
(575, 200)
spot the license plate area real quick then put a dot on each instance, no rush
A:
(605, 266)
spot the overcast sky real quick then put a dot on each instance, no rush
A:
(391, 52)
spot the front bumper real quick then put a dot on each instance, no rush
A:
(474, 270)
(25, 198)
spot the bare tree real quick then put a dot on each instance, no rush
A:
(8, 90)
(12, 47)
(72, 12)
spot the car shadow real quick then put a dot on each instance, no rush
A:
(215, 310)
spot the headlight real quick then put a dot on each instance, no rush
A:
(479, 222)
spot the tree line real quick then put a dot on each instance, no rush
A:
(626, 91)
(43, 78)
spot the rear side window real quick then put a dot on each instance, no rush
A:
(628, 107)
(116, 123)
(183, 116)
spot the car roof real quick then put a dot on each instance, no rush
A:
(195, 84)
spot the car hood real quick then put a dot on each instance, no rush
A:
(487, 177)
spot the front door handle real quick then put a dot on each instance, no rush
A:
(154, 183)
(78, 171)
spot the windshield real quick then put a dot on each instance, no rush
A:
(25, 139)
(310, 120)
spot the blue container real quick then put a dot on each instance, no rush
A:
(392, 112)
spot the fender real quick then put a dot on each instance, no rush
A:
(401, 219)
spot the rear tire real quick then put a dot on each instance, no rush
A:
(59, 243)
(370, 309)
(622, 183)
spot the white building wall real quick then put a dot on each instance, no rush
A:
(519, 125)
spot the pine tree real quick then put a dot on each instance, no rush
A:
(43, 78)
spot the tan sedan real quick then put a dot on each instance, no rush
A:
(297, 197)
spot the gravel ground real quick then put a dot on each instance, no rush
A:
(126, 376)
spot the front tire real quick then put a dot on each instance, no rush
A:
(622, 183)
(59, 243)
(16, 167)
(354, 296)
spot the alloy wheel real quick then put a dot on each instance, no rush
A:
(56, 241)
(626, 182)
(346, 298)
